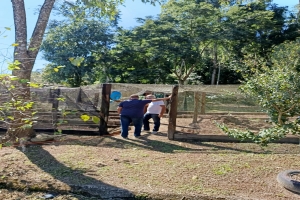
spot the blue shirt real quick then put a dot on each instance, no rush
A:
(134, 108)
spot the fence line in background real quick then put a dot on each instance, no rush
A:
(93, 101)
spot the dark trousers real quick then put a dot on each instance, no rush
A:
(156, 121)
(125, 122)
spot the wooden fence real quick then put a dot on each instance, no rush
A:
(56, 111)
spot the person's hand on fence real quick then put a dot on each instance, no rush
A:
(167, 98)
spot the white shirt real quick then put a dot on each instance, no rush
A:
(155, 107)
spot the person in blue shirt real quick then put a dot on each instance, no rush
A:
(132, 110)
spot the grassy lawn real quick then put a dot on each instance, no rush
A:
(94, 167)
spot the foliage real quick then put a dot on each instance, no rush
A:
(176, 44)
(166, 45)
(86, 118)
(265, 136)
(276, 87)
(16, 112)
(273, 26)
(133, 62)
(226, 75)
(77, 52)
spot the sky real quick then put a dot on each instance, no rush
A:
(129, 13)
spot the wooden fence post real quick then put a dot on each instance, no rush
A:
(54, 94)
(173, 113)
(185, 103)
(104, 109)
(196, 106)
(203, 102)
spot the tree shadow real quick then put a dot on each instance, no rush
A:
(185, 145)
(163, 145)
(75, 179)
(210, 148)
(114, 142)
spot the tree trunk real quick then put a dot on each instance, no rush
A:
(215, 65)
(213, 76)
(77, 79)
(181, 82)
(26, 55)
(196, 106)
(185, 103)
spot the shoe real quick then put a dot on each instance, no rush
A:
(125, 138)
(146, 130)
(140, 136)
(154, 132)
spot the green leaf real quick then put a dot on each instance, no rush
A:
(34, 85)
(10, 117)
(85, 117)
(14, 78)
(26, 126)
(76, 61)
(32, 49)
(61, 99)
(14, 65)
(24, 80)
(96, 120)
(7, 28)
(7, 144)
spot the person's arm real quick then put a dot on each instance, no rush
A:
(119, 109)
(145, 108)
(162, 99)
(162, 112)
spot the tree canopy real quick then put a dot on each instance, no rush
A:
(60, 47)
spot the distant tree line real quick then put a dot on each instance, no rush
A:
(189, 42)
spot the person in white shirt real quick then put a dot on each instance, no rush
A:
(154, 110)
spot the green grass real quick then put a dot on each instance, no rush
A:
(222, 169)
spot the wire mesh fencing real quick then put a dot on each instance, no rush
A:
(53, 102)
(211, 98)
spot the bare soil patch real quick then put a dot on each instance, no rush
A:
(205, 124)
(151, 167)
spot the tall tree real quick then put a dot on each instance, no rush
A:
(195, 24)
(85, 39)
(24, 57)
(255, 29)
(137, 60)
(25, 53)
(175, 41)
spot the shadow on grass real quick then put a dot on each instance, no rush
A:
(75, 179)
(180, 146)
(114, 142)
(171, 146)
(162, 144)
